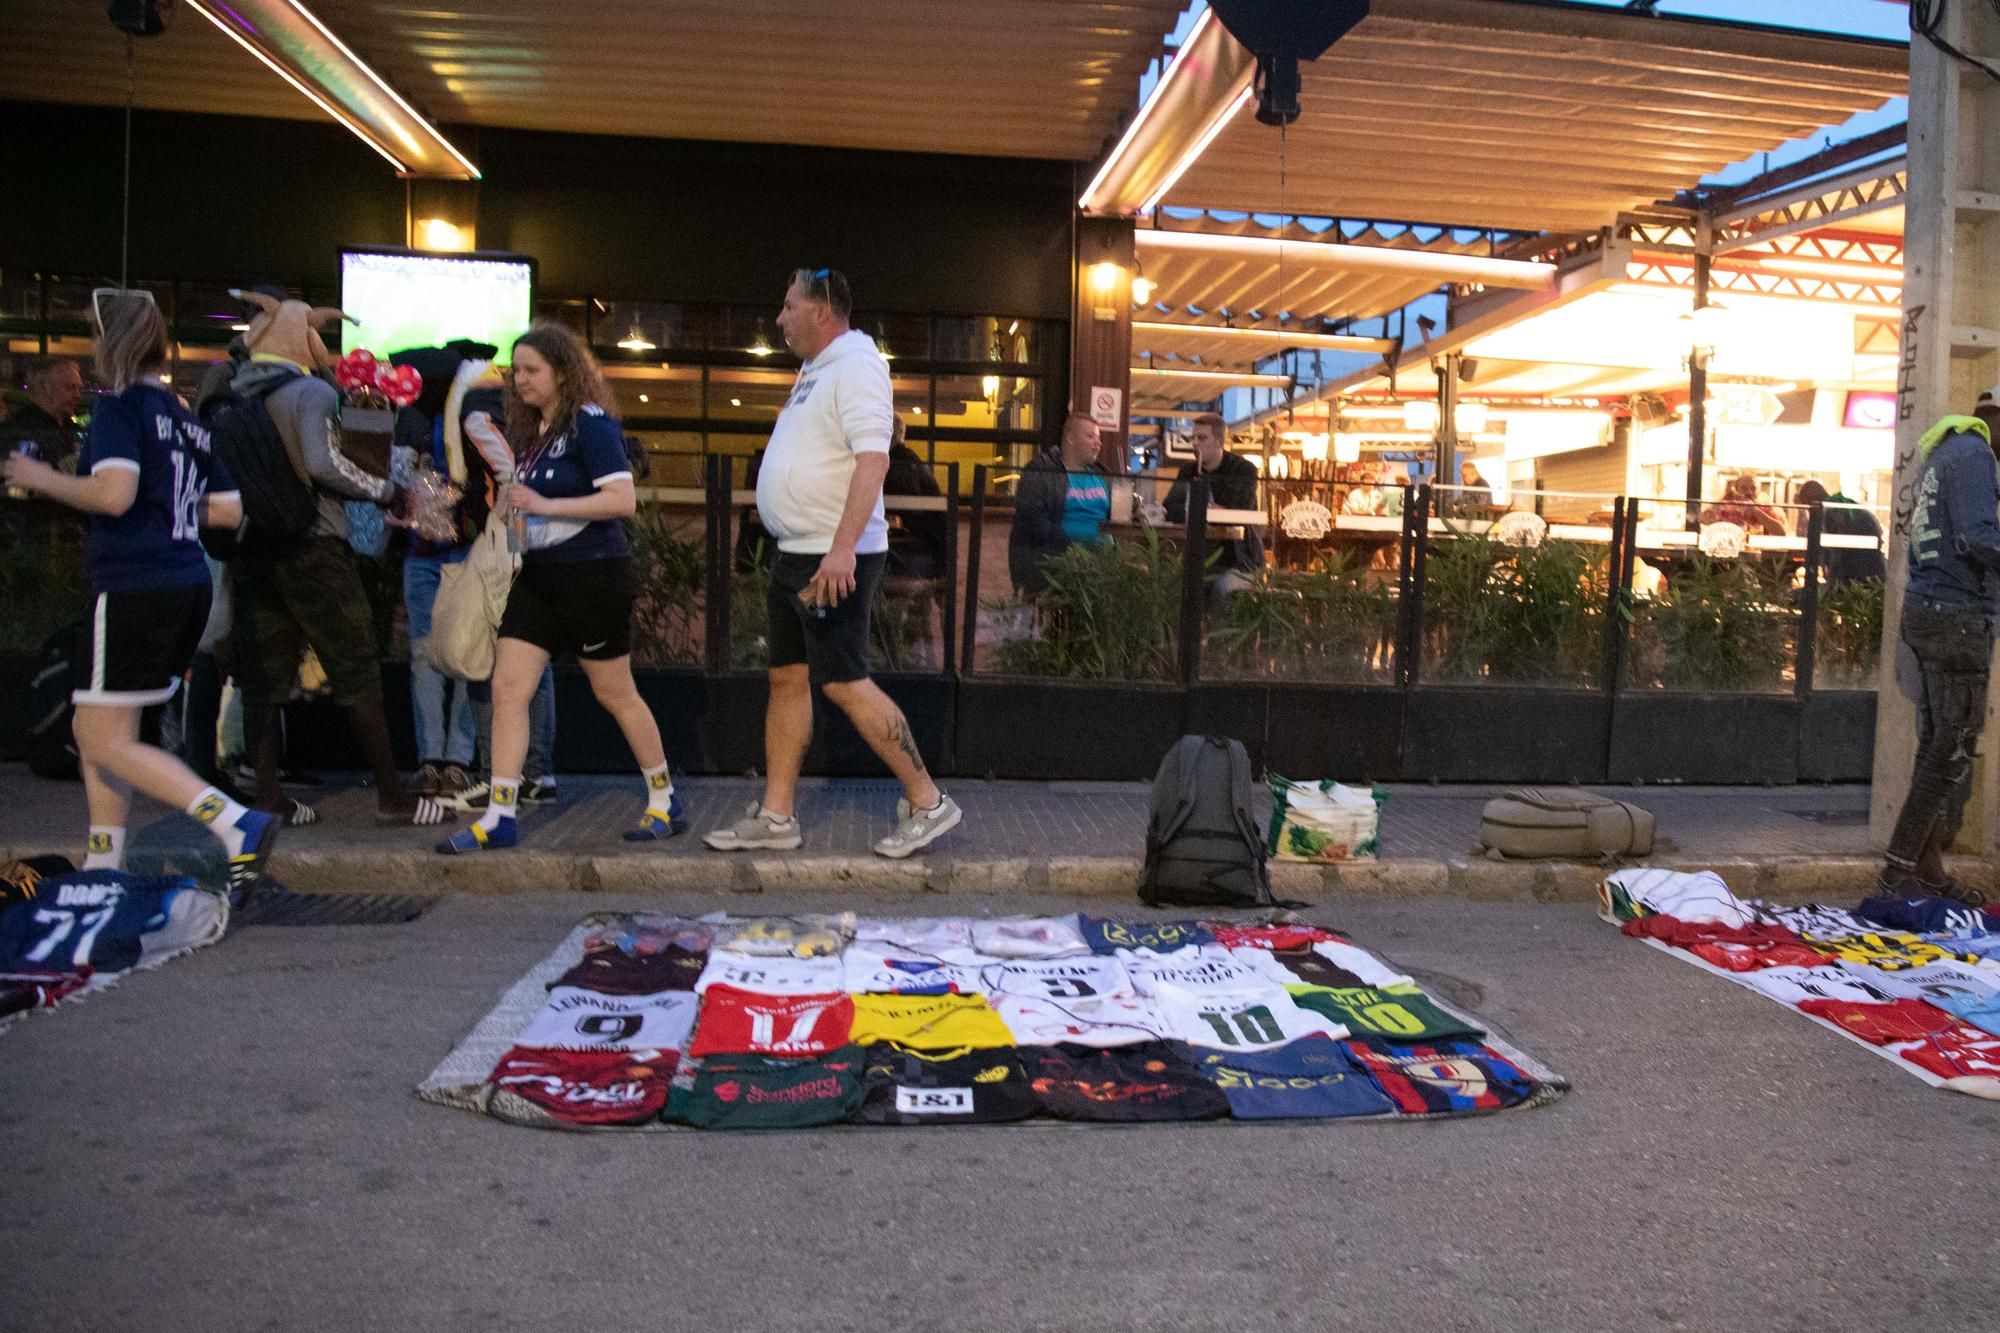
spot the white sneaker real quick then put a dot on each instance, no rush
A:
(472, 800)
(918, 829)
(758, 830)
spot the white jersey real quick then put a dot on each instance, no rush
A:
(1098, 1022)
(785, 936)
(872, 968)
(1249, 1021)
(1081, 978)
(926, 937)
(1700, 896)
(1969, 984)
(1817, 920)
(1370, 970)
(575, 1019)
(1029, 937)
(771, 976)
(1208, 969)
(1829, 981)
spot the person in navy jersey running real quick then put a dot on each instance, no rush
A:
(149, 483)
(572, 490)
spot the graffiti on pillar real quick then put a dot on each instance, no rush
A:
(1906, 440)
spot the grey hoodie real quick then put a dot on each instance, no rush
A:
(307, 415)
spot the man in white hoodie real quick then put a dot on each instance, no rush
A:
(819, 495)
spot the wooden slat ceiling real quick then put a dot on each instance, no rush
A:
(1014, 78)
(1249, 291)
(1535, 117)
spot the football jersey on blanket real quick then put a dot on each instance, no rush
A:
(1427, 1078)
(910, 1088)
(1924, 1035)
(1099, 1022)
(1275, 937)
(584, 1020)
(1296, 967)
(1367, 969)
(1398, 1013)
(928, 1023)
(1311, 1078)
(872, 968)
(1733, 948)
(1690, 896)
(1057, 978)
(21, 991)
(102, 918)
(1209, 969)
(581, 1088)
(1892, 951)
(1817, 920)
(1239, 1021)
(1108, 936)
(782, 975)
(740, 1022)
(1923, 916)
(615, 972)
(786, 936)
(642, 933)
(927, 937)
(1029, 937)
(1828, 981)
(1151, 1081)
(758, 1092)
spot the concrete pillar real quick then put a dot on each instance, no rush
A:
(1951, 331)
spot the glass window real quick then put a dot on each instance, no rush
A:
(676, 457)
(69, 298)
(748, 395)
(987, 338)
(655, 390)
(640, 330)
(899, 337)
(20, 297)
(989, 402)
(571, 314)
(752, 329)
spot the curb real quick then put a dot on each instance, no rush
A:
(1782, 878)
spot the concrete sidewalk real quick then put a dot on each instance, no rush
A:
(1083, 839)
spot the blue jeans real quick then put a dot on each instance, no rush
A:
(429, 686)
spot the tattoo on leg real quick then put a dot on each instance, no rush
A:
(900, 737)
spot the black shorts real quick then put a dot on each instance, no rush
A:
(140, 644)
(582, 607)
(832, 641)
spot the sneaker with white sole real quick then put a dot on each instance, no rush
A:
(758, 830)
(918, 829)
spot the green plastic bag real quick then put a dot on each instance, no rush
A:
(1324, 821)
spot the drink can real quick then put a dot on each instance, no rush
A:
(26, 449)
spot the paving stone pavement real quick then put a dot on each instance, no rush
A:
(1003, 819)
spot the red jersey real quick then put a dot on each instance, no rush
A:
(1269, 937)
(741, 1022)
(1734, 948)
(1923, 1034)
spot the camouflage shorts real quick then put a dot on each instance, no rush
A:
(312, 598)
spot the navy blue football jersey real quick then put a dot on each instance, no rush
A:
(157, 542)
(92, 918)
(587, 453)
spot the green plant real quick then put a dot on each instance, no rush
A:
(1328, 623)
(1522, 615)
(749, 619)
(1108, 612)
(667, 617)
(1849, 647)
(1721, 625)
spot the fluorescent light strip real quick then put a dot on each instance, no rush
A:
(1193, 154)
(383, 84)
(1817, 268)
(355, 129)
(1247, 380)
(1125, 139)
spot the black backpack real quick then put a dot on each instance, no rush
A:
(51, 750)
(279, 506)
(1203, 848)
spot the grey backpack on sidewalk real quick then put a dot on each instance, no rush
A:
(1535, 822)
(1203, 847)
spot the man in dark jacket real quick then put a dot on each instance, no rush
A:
(1232, 484)
(1057, 502)
(1948, 612)
(46, 412)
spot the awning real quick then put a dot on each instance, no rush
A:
(1016, 78)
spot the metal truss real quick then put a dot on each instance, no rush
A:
(1868, 190)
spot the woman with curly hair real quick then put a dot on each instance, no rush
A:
(572, 488)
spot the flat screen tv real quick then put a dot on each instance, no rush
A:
(410, 298)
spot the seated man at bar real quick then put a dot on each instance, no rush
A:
(1477, 490)
(1064, 497)
(1232, 484)
(1739, 505)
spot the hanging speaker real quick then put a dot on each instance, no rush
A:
(1281, 33)
(141, 18)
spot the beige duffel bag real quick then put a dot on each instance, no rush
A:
(1543, 822)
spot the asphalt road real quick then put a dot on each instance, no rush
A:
(232, 1143)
